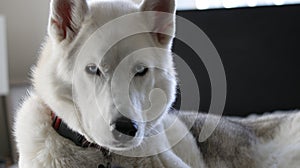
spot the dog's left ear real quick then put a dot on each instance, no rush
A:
(66, 17)
(162, 22)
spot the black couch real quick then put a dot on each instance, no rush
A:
(260, 50)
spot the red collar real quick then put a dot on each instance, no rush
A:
(56, 121)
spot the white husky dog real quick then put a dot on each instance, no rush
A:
(102, 102)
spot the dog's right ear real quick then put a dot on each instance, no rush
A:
(162, 22)
(66, 17)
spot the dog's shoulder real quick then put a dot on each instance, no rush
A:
(28, 131)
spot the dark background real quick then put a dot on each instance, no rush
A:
(260, 50)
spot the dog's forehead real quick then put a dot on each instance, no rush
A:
(104, 11)
(129, 49)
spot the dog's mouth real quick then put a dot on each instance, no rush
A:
(117, 145)
(125, 140)
(124, 134)
(123, 144)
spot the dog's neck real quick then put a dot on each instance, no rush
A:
(62, 129)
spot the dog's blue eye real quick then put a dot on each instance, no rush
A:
(92, 69)
(141, 70)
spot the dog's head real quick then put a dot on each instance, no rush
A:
(120, 82)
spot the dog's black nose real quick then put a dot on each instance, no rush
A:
(124, 129)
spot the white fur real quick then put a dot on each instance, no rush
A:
(61, 85)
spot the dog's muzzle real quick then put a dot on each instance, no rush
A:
(124, 129)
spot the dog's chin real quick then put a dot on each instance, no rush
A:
(125, 146)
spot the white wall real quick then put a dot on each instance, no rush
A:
(26, 27)
(3, 57)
